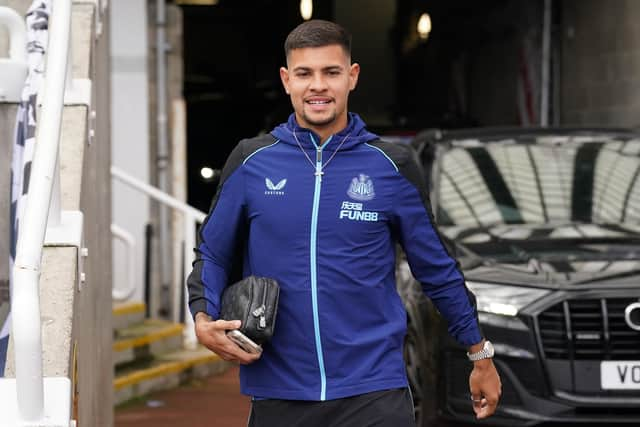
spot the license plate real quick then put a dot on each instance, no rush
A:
(620, 375)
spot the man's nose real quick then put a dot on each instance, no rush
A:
(318, 82)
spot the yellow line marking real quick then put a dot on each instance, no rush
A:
(168, 331)
(129, 308)
(161, 370)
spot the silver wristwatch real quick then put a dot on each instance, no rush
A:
(486, 352)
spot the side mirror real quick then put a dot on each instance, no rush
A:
(13, 70)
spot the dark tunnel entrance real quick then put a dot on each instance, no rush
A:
(479, 66)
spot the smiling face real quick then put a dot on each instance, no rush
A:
(318, 80)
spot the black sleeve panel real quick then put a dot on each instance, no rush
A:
(244, 149)
(406, 159)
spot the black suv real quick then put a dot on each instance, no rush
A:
(546, 226)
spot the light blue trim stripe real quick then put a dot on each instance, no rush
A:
(259, 150)
(384, 154)
(314, 273)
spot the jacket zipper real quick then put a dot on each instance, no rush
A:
(313, 262)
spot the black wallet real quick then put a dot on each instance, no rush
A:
(254, 301)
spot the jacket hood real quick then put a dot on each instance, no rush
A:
(355, 133)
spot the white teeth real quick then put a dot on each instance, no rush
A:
(318, 102)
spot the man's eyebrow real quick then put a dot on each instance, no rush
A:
(328, 68)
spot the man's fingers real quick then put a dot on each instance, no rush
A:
(232, 353)
(476, 401)
(227, 324)
(240, 356)
(250, 358)
(484, 407)
(212, 335)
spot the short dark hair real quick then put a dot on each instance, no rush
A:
(317, 33)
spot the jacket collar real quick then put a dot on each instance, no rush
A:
(354, 134)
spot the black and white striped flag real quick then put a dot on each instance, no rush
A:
(25, 136)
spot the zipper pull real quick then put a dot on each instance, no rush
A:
(259, 311)
(319, 172)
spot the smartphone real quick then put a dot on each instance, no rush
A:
(244, 342)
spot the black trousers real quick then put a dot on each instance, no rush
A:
(388, 408)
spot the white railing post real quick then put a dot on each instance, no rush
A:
(190, 340)
(25, 298)
(55, 208)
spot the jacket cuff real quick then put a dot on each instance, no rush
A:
(470, 337)
(198, 306)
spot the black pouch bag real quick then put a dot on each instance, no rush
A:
(254, 301)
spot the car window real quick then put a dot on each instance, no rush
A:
(545, 180)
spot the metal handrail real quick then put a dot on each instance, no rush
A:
(156, 194)
(192, 217)
(129, 241)
(14, 68)
(18, 33)
(26, 273)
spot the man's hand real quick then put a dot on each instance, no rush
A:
(485, 386)
(212, 334)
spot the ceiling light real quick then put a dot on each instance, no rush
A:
(206, 173)
(424, 26)
(306, 9)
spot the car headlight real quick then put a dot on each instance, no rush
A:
(501, 299)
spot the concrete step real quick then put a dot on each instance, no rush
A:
(147, 339)
(165, 372)
(127, 314)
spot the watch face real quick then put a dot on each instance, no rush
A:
(486, 352)
(488, 347)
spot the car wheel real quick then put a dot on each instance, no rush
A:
(422, 376)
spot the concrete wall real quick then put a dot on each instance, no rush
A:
(600, 63)
(130, 131)
(77, 333)
(95, 333)
(7, 123)
(162, 293)
(134, 135)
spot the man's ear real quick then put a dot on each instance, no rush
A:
(284, 76)
(354, 72)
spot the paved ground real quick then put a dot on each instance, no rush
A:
(215, 401)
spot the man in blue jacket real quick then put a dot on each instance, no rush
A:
(319, 205)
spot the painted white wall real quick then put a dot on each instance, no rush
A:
(129, 131)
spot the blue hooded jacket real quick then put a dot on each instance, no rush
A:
(324, 221)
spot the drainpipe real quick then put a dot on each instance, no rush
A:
(162, 150)
(546, 64)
